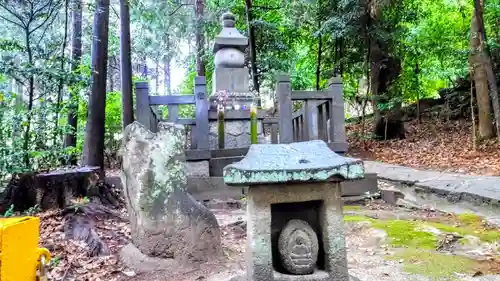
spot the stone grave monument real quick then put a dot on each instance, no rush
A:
(232, 77)
(295, 225)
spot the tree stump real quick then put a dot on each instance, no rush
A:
(57, 189)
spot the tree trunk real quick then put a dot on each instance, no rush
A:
(157, 78)
(31, 93)
(252, 48)
(126, 64)
(111, 74)
(486, 61)
(199, 37)
(93, 150)
(76, 54)
(480, 80)
(167, 76)
(320, 47)
(60, 86)
(318, 64)
(375, 58)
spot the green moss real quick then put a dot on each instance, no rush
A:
(401, 233)
(352, 208)
(470, 219)
(485, 235)
(435, 265)
(417, 245)
(355, 218)
(404, 233)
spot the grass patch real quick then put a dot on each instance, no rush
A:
(435, 265)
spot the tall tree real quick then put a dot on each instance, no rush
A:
(199, 10)
(93, 149)
(486, 61)
(478, 70)
(126, 64)
(252, 47)
(76, 54)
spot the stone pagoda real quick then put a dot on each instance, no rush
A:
(232, 77)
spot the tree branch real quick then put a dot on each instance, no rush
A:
(114, 11)
(45, 30)
(22, 24)
(178, 7)
(13, 22)
(51, 13)
(266, 8)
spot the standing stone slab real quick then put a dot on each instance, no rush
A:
(293, 189)
(166, 222)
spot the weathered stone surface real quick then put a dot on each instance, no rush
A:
(236, 134)
(166, 222)
(230, 37)
(330, 223)
(140, 263)
(298, 247)
(198, 169)
(282, 277)
(456, 187)
(234, 80)
(302, 161)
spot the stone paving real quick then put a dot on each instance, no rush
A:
(456, 187)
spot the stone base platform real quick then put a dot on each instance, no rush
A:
(319, 276)
(208, 188)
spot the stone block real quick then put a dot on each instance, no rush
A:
(236, 134)
(198, 169)
(234, 80)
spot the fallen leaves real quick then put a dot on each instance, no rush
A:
(443, 146)
(71, 260)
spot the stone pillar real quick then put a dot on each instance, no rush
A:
(231, 75)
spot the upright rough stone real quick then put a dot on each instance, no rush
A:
(166, 221)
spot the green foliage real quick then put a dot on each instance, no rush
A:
(431, 34)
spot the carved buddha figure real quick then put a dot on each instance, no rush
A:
(298, 247)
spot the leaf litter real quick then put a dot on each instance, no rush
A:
(433, 144)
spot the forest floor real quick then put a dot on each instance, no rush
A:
(384, 242)
(434, 145)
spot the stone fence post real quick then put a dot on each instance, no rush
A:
(337, 115)
(142, 110)
(284, 95)
(201, 104)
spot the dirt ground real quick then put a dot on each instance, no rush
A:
(384, 243)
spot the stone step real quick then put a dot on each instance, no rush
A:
(218, 164)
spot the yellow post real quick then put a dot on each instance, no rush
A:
(20, 256)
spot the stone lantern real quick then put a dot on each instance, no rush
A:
(295, 224)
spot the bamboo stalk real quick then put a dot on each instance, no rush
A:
(220, 128)
(253, 125)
